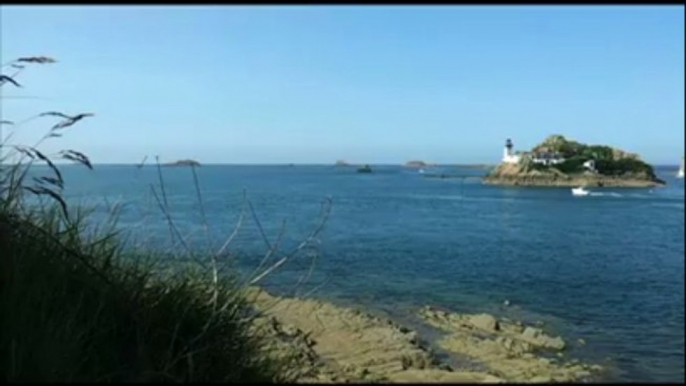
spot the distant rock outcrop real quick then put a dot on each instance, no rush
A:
(184, 162)
(416, 164)
(365, 169)
(582, 165)
(341, 163)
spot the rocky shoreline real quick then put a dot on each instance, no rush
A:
(520, 175)
(608, 182)
(339, 344)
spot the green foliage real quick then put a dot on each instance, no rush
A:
(575, 164)
(72, 311)
(623, 166)
(571, 149)
(576, 154)
(598, 153)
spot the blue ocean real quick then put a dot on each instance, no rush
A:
(607, 268)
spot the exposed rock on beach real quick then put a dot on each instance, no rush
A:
(509, 349)
(338, 344)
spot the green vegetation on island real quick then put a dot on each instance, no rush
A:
(558, 161)
(608, 160)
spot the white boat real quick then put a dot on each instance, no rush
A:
(680, 174)
(580, 191)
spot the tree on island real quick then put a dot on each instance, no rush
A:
(608, 161)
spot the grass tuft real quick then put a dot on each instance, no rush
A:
(76, 306)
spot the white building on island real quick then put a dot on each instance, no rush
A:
(547, 158)
(590, 165)
(541, 158)
(509, 157)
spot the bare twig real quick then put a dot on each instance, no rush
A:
(202, 206)
(270, 251)
(305, 278)
(310, 292)
(259, 225)
(326, 209)
(159, 174)
(269, 270)
(142, 162)
(236, 228)
(172, 228)
(207, 235)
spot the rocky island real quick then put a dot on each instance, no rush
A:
(184, 162)
(558, 161)
(416, 164)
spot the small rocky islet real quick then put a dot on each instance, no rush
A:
(184, 162)
(416, 164)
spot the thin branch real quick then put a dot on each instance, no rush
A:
(269, 270)
(207, 235)
(305, 278)
(159, 174)
(235, 230)
(326, 210)
(259, 225)
(142, 162)
(172, 228)
(271, 250)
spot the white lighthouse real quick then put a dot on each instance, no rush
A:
(509, 157)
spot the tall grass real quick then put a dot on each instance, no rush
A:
(75, 306)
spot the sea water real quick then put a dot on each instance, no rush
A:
(608, 267)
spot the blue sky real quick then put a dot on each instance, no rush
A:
(313, 84)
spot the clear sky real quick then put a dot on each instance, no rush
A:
(313, 84)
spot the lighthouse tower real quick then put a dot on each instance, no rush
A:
(508, 155)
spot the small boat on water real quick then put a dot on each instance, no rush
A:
(365, 169)
(680, 174)
(580, 191)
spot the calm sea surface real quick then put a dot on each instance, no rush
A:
(608, 268)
